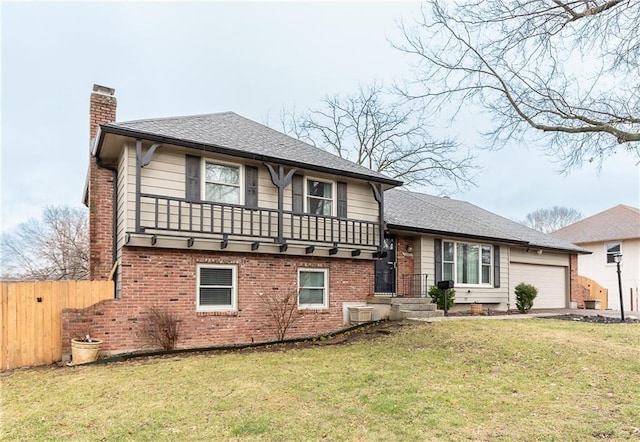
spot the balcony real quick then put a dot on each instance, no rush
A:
(177, 216)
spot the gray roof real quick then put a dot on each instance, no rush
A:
(619, 222)
(432, 214)
(230, 133)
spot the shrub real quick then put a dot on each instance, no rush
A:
(282, 305)
(525, 294)
(438, 297)
(162, 328)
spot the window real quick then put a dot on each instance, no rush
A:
(217, 287)
(319, 197)
(612, 249)
(466, 263)
(312, 288)
(222, 183)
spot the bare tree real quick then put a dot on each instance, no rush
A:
(53, 248)
(565, 72)
(282, 305)
(550, 220)
(380, 131)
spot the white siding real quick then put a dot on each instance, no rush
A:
(595, 266)
(533, 257)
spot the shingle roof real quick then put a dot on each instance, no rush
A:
(244, 137)
(619, 222)
(427, 213)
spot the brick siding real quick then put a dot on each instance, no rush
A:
(405, 265)
(167, 279)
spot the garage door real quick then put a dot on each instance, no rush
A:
(551, 282)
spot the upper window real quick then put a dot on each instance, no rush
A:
(319, 197)
(217, 287)
(612, 249)
(222, 183)
(466, 263)
(312, 288)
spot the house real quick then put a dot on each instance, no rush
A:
(615, 230)
(206, 215)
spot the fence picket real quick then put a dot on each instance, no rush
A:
(31, 331)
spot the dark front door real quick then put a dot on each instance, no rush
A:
(386, 267)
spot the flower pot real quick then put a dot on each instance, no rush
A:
(476, 309)
(358, 315)
(592, 304)
(83, 352)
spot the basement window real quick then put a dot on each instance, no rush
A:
(312, 288)
(217, 288)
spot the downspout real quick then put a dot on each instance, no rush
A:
(114, 210)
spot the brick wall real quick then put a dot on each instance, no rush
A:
(167, 279)
(405, 265)
(578, 292)
(102, 109)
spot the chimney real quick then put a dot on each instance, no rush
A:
(101, 187)
(102, 108)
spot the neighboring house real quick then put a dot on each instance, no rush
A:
(604, 234)
(205, 215)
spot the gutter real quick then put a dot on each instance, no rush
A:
(236, 153)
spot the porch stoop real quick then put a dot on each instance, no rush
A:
(408, 308)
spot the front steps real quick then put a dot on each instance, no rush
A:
(408, 308)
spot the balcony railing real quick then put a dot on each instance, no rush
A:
(161, 213)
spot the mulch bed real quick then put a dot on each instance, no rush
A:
(595, 319)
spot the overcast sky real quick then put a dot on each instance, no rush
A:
(170, 59)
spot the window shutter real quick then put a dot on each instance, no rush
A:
(342, 200)
(192, 178)
(437, 249)
(297, 189)
(251, 186)
(496, 266)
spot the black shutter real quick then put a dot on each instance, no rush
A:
(251, 186)
(496, 266)
(437, 250)
(342, 200)
(192, 178)
(297, 193)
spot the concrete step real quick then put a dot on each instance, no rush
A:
(409, 314)
(426, 306)
(403, 301)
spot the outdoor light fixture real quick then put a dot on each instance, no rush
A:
(409, 248)
(617, 258)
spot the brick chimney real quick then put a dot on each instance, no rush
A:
(102, 181)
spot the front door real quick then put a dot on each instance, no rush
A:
(386, 267)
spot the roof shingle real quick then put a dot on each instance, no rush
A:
(246, 137)
(429, 213)
(619, 222)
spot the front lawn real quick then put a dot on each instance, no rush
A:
(524, 380)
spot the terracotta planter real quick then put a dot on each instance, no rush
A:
(83, 352)
(476, 309)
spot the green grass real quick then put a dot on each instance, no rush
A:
(520, 380)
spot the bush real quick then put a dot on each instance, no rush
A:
(437, 296)
(525, 294)
(162, 328)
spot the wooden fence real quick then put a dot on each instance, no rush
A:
(31, 318)
(596, 291)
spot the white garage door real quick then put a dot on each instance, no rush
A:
(551, 282)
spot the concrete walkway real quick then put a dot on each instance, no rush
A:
(536, 313)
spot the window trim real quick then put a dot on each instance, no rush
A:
(480, 247)
(234, 288)
(606, 252)
(241, 185)
(305, 195)
(325, 298)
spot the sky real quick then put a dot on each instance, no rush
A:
(172, 59)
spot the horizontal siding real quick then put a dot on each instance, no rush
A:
(360, 202)
(546, 258)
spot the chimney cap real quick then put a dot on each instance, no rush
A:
(104, 90)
